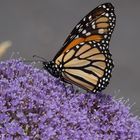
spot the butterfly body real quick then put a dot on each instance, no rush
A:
(85, 59)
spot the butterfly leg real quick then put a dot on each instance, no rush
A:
(65, 83)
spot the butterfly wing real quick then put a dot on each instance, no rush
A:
(85, 58)
(96, 26)
(88, 66)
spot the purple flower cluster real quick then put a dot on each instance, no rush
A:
(36, 106)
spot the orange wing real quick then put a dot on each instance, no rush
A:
(96, 26)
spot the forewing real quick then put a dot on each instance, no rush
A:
(96, 26)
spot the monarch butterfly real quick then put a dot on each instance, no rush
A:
(85, 59)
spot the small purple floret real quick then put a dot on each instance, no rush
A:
(35, 105)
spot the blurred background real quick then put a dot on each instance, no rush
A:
(40, 27)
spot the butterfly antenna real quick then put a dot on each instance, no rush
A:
(42, 59)
(31, 61)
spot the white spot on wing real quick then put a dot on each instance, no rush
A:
(77, 26)
(104, 6)
(93, 26)
(93, 23)
(84, 31)
(101, 31)
(80, 30)
(82, 43)
(107, 9)
(87, 24)
(77, 36)
(77, 46)
(90, 17)
(107, 14)
(84, 19)
(87, 34)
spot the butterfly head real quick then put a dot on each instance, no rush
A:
(52, 68)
